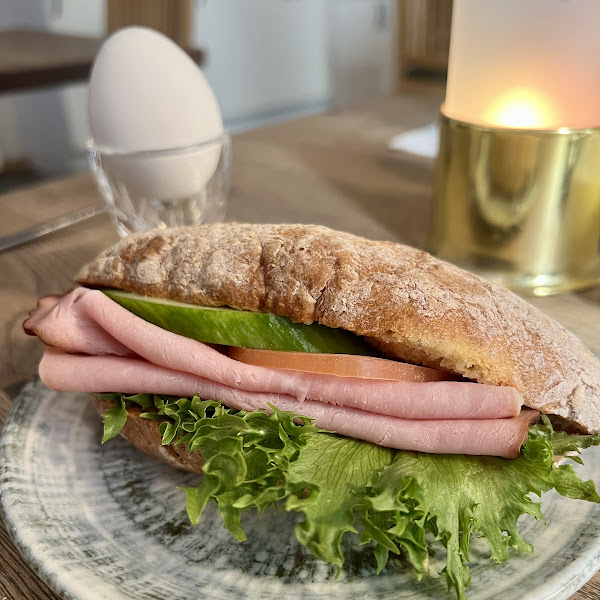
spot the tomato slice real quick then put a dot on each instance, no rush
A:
(343, 365)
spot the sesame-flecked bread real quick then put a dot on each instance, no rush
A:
(408, 303)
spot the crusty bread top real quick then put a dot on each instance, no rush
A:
(410, 304)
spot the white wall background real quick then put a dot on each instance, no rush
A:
(264, 56)
(267, 59)
(362, 49)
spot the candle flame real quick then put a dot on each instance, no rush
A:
(521, 109)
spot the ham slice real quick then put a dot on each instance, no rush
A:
(494, 437)
(58, 322)
(95, 345)
(84, 318)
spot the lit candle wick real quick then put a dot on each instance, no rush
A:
(522, 109)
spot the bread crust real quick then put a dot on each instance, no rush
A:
(405, 301)
(144, 434)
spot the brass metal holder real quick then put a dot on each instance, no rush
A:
(519, 207)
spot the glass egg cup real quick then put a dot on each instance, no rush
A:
(163, 188)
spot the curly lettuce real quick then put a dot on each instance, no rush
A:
(395, 501)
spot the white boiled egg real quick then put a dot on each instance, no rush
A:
(146, 96)
(146, 93)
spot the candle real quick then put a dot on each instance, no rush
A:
(531, 64)
(521, 108)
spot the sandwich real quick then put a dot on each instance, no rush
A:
(334, 376)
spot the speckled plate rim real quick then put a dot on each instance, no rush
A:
(574, 574)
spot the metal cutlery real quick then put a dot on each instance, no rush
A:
(27, 235)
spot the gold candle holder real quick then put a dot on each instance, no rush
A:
(520, 207)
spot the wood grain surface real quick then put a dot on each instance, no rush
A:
(334, 169)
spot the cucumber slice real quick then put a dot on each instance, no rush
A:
(229, 327)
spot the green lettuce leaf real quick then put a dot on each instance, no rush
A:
(393, 500)
(246, 456)
(333, 469)
(458, 496)
(564, 479)
(114, 419)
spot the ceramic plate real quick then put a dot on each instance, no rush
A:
(108, 522)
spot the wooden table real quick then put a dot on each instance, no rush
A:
(32, 59)
(332, 169)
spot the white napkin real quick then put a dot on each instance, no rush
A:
(423, 141)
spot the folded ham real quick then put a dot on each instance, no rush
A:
(494, 437)
(98, 346)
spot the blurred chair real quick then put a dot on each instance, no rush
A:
(423, 38)
(171, 17)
